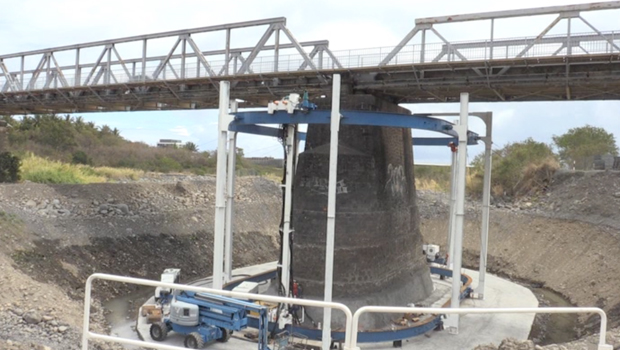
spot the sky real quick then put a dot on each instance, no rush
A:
(35, 24)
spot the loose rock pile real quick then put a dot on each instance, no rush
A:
(129, 199)
(25, 326)
(36, 326)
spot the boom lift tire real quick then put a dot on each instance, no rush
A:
(159, 331)
(194, 341)
(225, 335)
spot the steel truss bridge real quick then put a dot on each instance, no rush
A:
(125, 75)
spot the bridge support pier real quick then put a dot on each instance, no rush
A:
(378, 256)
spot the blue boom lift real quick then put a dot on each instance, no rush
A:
(206, 317)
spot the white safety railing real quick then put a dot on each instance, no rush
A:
(351, 320)
(461, 311)
(87, 334)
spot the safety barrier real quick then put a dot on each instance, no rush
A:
(444, 311)
(352, 320)
(87, 334)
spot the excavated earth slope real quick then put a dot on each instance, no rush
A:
(566, 239)
(52, 237)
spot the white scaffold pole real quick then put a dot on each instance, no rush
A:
(452, 322)
(288, 200)
(452, 207)
(220, 186)
(331, 210)
(230, 199)
(486, 204)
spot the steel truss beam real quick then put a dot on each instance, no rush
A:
(571, 66)
(456, 49)
(185, 59)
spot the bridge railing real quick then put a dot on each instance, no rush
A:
(125, 72)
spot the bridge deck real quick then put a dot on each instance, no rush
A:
(110, 75)
(592, 77)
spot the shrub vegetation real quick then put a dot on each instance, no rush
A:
(64, 149)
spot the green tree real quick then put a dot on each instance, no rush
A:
(54, 132)
(190, 146)
(9, 167)
(80, 157)
(3, 131)
(79, 123)
(578, 146)
(512, 166)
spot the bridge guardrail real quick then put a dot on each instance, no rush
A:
(498, 49)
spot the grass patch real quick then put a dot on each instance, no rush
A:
(41, 170)
(432, 177)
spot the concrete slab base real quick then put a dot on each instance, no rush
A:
(480, 329)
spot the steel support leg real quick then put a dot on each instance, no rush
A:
(451, 221)
(486, 201)
(331, 210)
(288, 199)
(230, 201)
(452, 322)
(220, 186)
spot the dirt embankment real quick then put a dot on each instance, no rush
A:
(53, 237)
(566, 239)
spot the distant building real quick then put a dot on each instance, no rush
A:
(605, 162)
(170, 143)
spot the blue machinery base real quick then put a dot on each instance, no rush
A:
(373, 336)
(250, 122)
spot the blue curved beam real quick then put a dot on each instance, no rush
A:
(261, 130)
(372, 336)
(417, 141)
(247, 122)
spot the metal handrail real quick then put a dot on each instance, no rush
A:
(351, 323)
(87, 334)
(460, 311)
(350, 59)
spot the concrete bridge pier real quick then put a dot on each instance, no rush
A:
(378, 246)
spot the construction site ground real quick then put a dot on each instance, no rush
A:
(489, 328)
(52, 237)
